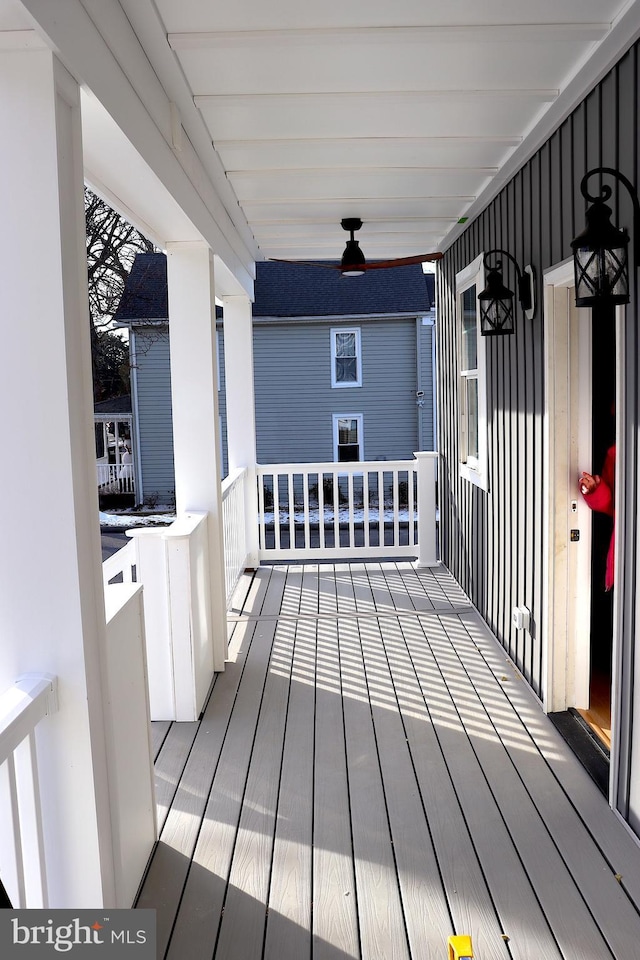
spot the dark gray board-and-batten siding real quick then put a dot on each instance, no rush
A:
(493, 541)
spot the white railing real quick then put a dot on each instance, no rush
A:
(364, 509)
(120, 567)
(127, 738)
(22, 858)
(234, 528)
(115, 477)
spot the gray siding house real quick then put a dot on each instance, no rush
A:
(344, 369)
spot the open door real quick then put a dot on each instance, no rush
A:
(580, 369)
(603, 433)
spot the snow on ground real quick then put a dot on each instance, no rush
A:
(163, 519)
(136, 519)
(343, 515)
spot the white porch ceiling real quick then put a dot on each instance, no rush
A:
(400, 113)
(410, 114)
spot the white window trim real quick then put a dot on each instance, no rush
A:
(348, 416)
(358, 381)
(473, 469)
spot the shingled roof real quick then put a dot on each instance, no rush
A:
(290, 290)
(145, 294)
(297, 290)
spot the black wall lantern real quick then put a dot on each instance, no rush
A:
(600, 251)
(496, 300)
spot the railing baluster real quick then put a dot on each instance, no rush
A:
(262, 541)
(305, 506)
(22, 856)
(292, 513)
(11, 856)
(411, 475)
(276, 509)
(380, 508)
(365, 506)
(395, 486)
(352, 532)
(321, 510)
(336, 510)
(31, 823)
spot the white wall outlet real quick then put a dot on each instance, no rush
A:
(520, 618)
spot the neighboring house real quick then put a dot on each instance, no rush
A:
(343, 368)
(113, 423)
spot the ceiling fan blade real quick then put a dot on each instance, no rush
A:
(307, 263)
(401, 261)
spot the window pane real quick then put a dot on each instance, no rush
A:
(345, 344)
(347, 430)
(346, 370)
(348, 454)
(469, 350)
(472, 417)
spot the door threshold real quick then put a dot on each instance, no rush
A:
(585, 744)
(596, 724)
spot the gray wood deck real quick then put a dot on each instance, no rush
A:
(372, 775)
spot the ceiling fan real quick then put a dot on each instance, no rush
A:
(353, 262)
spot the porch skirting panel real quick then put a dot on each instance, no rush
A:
(370, 776)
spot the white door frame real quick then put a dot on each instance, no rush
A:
(567, 441)
(565, 651)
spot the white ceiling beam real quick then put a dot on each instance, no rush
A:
(266, 173)
(272, 201)
(318, 221)
(415, 97)
(377, 141)
(421, 34)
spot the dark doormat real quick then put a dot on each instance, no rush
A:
(588, 748)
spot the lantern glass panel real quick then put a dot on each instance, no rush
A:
(496, 317)
(601, 274)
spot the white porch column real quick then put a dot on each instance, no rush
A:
(241, 415)
(52, 615)
(194, 399)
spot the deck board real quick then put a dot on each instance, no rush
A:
(557, 892)
(335, 923)
(381, 917)
(370, 775)
(288, 926)
(468, 895)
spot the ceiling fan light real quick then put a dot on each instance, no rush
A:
(353, 260)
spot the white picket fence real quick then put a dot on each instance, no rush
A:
(333, 510)
(22, 855)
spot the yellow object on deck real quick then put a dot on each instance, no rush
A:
(460, 948)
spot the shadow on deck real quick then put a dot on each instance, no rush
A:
(371, 775)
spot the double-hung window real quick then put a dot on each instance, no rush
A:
(347, 437)
(346, 359)
(471, 375)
